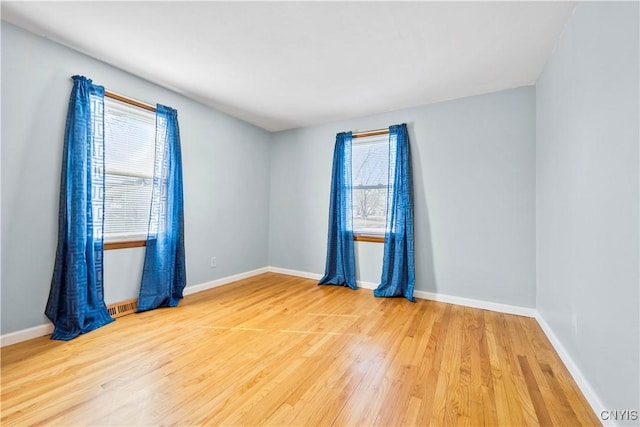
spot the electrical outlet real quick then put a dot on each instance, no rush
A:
(214, 262)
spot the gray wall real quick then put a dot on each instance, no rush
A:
(588, 195)
(474, 184)
(226, 178)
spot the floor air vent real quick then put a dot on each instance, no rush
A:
(123, 308)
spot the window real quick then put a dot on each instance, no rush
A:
(370, 178)
(129, 161)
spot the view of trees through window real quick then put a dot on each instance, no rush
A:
(370, 175)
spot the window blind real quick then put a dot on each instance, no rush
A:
(129, 161)
(370, 175)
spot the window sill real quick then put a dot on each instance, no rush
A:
(125, 244)
(368, 238)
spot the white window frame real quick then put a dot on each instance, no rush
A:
(368, 234)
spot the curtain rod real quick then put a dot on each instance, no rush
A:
(366, 133)
(127, 100)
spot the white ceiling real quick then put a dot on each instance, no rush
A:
(282, 65)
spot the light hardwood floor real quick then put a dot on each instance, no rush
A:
(279, 350)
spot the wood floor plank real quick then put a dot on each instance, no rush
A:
(473, 340)
(542, 412)
(432, 363)
(280, 350)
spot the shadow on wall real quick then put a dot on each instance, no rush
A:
(425, 272)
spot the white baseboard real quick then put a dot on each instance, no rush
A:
(467, 302)
(475, 303)
(584, 385)
(223, 281)
(367, 285)
(315, 276)
(47, 329)
(25, 334)
(296, 273)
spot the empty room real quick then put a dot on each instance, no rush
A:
(320, 213)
